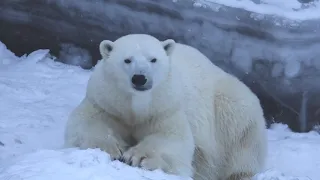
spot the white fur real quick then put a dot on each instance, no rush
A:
(194, 116)
(141, 104)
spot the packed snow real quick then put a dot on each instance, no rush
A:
(38, 93)
(291, 9)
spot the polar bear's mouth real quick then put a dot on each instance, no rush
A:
(141, 88)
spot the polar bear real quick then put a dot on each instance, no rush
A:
(163, 105)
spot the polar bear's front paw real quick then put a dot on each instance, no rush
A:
(146, 160)
(114, 151)
(113, 148)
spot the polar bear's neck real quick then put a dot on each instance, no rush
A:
(140, 105)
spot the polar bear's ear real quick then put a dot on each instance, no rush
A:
(106, 46)
(168, 45)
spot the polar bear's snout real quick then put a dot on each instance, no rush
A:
(140, 82)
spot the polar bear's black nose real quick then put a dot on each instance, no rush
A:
(139, 80)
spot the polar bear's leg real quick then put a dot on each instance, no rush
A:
(248, 156)
(88, 127)
(165, 144)
(204, 165)
(241, 128)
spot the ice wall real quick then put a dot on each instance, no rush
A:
(277, 57)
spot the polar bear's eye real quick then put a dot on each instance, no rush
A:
(153, 60)
(127, 61)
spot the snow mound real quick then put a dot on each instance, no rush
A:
(92, 164)
(76, 164)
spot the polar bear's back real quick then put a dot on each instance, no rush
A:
(191, 62)
(195, 66)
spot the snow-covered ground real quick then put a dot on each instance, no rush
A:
(291, 9)
(36, 96)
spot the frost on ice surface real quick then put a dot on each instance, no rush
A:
(70, 54)
(277, 70)
(37, 94)
(292, 69)
(242, 59)
(291, 9)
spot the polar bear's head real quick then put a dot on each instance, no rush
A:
(137, 62)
